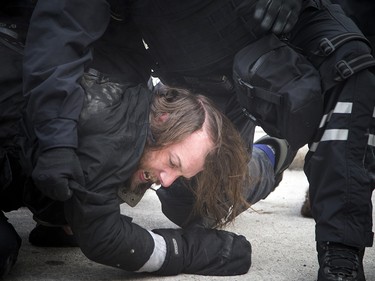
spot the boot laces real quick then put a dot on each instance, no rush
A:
(341, 263)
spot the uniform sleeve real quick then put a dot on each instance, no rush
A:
(57, 49)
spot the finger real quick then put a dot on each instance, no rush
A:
(282, 21)
(261, 8)
(292, 20)
(73, 185)
(61, 191)
(270, 16)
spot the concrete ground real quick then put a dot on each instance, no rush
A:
(282, 240)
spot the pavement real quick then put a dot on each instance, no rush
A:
(282, 240)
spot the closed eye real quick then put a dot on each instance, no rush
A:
(174, 161)
(171, 164)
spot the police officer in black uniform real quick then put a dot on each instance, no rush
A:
(193, 44)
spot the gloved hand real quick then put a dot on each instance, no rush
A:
(54, 170)
(204, 251)
(278, 16)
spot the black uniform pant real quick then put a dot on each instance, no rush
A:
(338, 165)
(10, 243)
(11, 102)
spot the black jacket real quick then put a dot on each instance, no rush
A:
(66, 108)
(112, 131)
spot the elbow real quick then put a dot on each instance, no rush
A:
(95, 250)
(121, 255)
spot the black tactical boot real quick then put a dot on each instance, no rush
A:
(338, 262)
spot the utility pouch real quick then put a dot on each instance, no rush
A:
(279, 89)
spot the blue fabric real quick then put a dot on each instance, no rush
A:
(266, 149)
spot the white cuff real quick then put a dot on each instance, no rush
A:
(157, 257)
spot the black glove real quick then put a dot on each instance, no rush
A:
(54, 170)
(204, 251)
(278, 16)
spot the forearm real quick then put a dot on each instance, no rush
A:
(104, 235)
(107, 237)
(57, 49)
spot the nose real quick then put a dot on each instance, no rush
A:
(167, 178)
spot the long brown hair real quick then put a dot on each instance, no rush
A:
(218, 188)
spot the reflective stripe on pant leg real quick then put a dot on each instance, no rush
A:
(340, 186)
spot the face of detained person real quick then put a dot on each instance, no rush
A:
(180, 140)
(183, 159)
